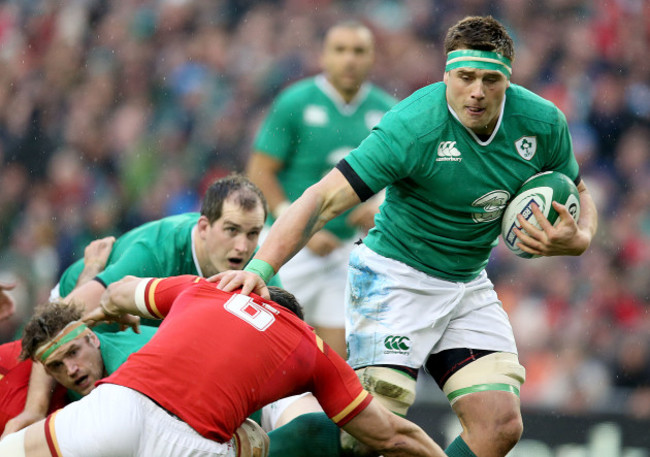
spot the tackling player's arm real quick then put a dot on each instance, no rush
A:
(320, 203)
(131, 296)
(567, 237)
(389, 434)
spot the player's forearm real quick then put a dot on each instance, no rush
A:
(39, 392)
(588, 213)
(119, 297)
(411, 441)
(88, 273)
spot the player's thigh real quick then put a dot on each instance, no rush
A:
(478, 321)
(165, 435)
(89, 427)
(394, 313)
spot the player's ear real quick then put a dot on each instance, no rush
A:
(94, 340)
(203, 224)
(445, 77)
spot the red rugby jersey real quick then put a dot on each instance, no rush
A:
(219, 356)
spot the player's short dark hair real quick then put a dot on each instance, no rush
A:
(483, 33)
(48, 320)
(286, 299)
(236, 186)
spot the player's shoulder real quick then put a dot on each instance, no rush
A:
(302, 89)
(523, 102)
(424, 110)
(169, 227)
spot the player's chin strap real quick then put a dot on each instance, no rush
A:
(13, 444)
(250, 440)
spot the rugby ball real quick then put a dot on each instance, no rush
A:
(542, 188)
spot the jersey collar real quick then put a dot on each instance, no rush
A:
(196, 260)
(471, 132)
(330, 91)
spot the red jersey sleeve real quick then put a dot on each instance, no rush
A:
(337, 387)
(156, 295)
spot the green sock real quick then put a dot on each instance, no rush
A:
(312, 434)
(458, 448)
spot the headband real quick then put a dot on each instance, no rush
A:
(486, 60)
(71, 331)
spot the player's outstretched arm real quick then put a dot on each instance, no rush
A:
(320, 203)
(391, 435)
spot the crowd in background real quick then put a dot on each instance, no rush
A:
(116, 113)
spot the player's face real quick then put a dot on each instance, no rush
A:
(77, 365)
(229, 242)
(476, 95)
(347, 57)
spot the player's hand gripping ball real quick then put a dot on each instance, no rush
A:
(542, 188)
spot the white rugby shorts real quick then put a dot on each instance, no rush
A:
(115, 421)
(397, 315)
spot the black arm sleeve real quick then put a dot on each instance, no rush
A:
(361, 188)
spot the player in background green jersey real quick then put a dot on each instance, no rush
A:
(310, 126)
(450, 156)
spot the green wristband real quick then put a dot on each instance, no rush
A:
(260, 268)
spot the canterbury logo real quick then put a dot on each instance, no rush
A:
(447, 152)
(397, 343)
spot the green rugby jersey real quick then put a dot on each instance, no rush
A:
(159, 248)
(310, 128)
(156, 249)
(447, 189)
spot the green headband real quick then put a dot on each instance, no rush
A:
(486, 60)
(70, 332)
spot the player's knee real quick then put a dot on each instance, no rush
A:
(13, 444)
(251, 440)
(506, 433)
(393, 388)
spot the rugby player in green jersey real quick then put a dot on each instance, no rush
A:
(450, 156)
(222, 236)
(310, 126)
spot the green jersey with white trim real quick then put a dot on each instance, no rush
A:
(446, 189)
(158, 249)
(310, 128)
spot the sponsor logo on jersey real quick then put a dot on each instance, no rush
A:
(372, 118)
(526, 147)
(493, 204)
(315, 115)
(447, 152)
(396, 344)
